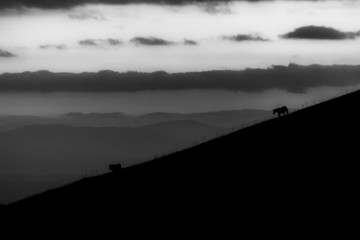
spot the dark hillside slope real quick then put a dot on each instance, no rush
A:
(308, 157)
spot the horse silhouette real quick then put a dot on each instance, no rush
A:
(281, 111)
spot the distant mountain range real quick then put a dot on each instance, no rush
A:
(79, 144)
(224, 119)
(37, 153)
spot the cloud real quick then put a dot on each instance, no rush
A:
(151, 41)
(245, 37)
(216, 7)
(319, 33)
(190, 42)
(113, 42)
(88, 42)
(86, 16)
(53, 46)
(100, 42)
(6, 54)
(292, 78)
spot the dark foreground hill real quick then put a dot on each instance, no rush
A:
(296, 177)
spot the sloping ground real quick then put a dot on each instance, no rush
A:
(290, 178)
(306, 157)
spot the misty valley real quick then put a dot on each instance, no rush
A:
(40, 153)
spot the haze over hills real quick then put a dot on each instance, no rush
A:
(42, 145)
(38, 153)
(19, 186)
(42, 152)
(224, 119)
(57, 153)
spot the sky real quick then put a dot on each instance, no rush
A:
(89, 36)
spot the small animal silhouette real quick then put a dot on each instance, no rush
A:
(115, 167)
(281, 111)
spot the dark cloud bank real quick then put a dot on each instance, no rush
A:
(56, 4)
(6, 54)
(292, 78)
(320, 33)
